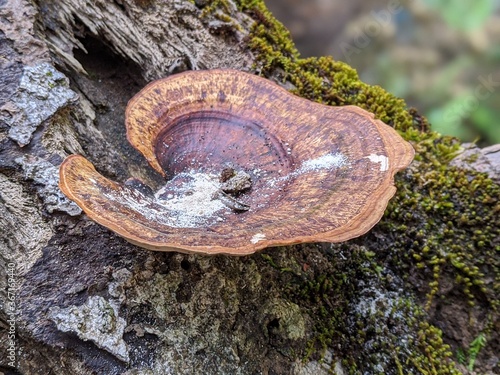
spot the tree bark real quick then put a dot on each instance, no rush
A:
(80, 299)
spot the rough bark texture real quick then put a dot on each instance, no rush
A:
(84, 301)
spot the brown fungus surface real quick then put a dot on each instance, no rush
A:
(307, 172)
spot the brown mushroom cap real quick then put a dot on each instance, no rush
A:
(318, 173)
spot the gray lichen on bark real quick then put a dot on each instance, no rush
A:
(41, 92)
(96, 320)
(486, 160)
(45, 176)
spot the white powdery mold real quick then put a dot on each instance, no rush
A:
(258, 237)
(382, 159)
(327, 161)
(191, 204)
(322, 163)
(96, 320)
(191, 199)
(194, 198)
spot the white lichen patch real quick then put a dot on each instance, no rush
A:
(97, 320)
(258, 237)
(381, 159)
(388, 312)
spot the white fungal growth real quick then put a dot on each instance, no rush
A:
(258, 237)
(192, 199)
(196, 197)
(382, 159)
(328, 161)
(322, 163)
(187, 201)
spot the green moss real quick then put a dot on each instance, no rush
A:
(215, 5)
(447, 221)
(360, 316)
(434, 356)
(221, 10)
(443, 223)
(473, 158)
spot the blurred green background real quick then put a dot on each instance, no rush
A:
(441, 56)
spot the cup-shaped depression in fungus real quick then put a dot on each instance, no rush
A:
(247, 165)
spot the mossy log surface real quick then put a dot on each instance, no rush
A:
(418, 294)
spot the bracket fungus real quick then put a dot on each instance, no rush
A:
(247, 165)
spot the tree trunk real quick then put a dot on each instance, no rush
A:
(77, 299)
